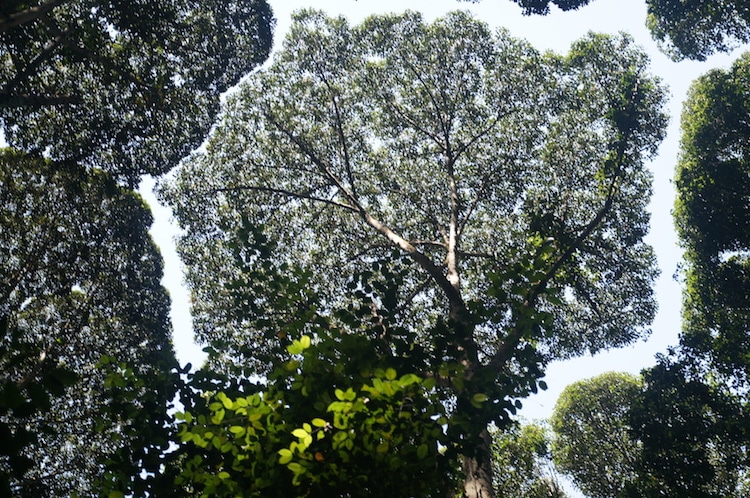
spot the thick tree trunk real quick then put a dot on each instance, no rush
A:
(478, 470)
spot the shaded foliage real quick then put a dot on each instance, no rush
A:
(696, 29)
(693, 433)
(713, 185)
(129, 87)
(692, 29)
(80, 299)
(523, 463)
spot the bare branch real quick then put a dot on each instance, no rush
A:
(307, 150)
(10, 21)
(435, 272)
(340, 132)
(287, 193)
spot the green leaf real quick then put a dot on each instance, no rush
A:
(479, 398)
(300, 433)
(285, 456)
(319, 422)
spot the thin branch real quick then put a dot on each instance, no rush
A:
(340, 131)
(336, 182)
(443, 124)
(505, 351)
(500, 115)
(429, 243)
(287, 193)
(45, 53)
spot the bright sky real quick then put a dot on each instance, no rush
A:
(554, 32)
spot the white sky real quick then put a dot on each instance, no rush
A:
(554, 32)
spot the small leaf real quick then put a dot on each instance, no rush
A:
(296, 468)
(479, 398)
(305, 341)
(319, 422)
(300, 433)
(285, 456)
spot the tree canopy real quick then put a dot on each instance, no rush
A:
(523, 465)
(693, 433)
(592, 440)
(509, 186)
(691, 29)
(84, 322)
(129, 87)
(713, 185)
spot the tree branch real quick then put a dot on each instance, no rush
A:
(288, 193)
(10, 21)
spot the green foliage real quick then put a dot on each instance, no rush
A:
(592, 440)
(80, 299)
(127, 86)
(319, 140)
(542, 7)
(693, 433)
(713, 185)
(484, 205)
(373, 433)
(696, 29)
(522, 462)
(693, 29)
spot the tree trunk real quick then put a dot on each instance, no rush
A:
(478, 470)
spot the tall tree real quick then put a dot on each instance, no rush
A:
(523, 465)
(693, 433)
(126, 86)
(671, 432)
(592, 440)
(713, 187)
(697, 399)
(513, 182)
(80, 299)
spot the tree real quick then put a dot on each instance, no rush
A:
(696, 399)
(713, 187)
(522, 463)
(80, 299)
(691, 29)
(129, 87)
(693, 434)
(696, 29)
(333, 417)
(592, 440)
(512, 182)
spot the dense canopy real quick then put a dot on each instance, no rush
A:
(80, 300)
(506, 189)
(126, 86)
(478, 149)
(711, 213)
